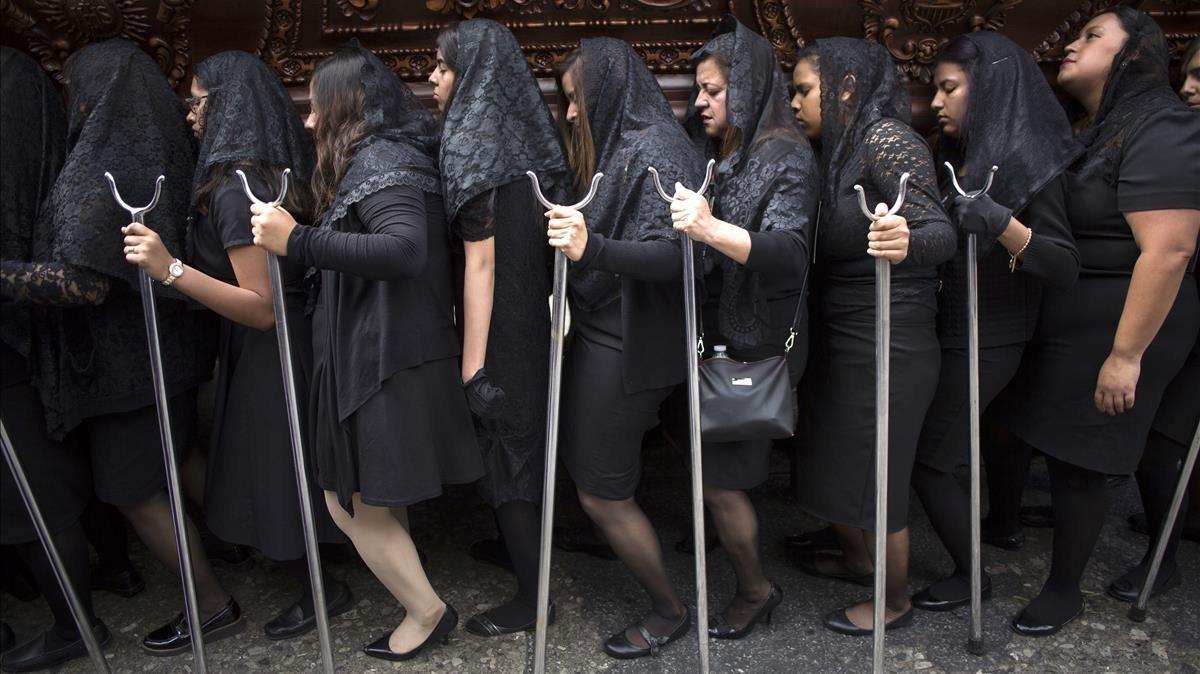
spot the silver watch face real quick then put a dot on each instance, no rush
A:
(176, 269)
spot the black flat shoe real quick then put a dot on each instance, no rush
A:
(174, 637)
(574, 540)
(228, 556)
(808, 564)
(491, 551)
(1037, 517)
(1012, 542)
(124, 583)
(621, 648)
(35, 654)
(1025, 626)
(1123, 589)
(718, 628)
(482, 625)
(820, 540)
(294, 621)
(839, 622)
(925, 600)
(441, 632)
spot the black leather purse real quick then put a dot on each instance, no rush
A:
(749, 401)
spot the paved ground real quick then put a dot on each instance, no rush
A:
(596, 598)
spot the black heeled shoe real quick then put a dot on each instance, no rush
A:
(620, 647)
(482, 625)
(441, 632)
(174, 637)
(925, 600)
(839, 622)
(719, 628)
(294, 620)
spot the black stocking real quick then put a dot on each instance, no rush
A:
(1156, 478)
(519, 523)
(737, 525)
(1007, 459)
(73, 549)
(105, 529)
(947, 504)
(1080, 498)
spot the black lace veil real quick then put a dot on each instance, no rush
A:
(496, 126)
(1013, 121)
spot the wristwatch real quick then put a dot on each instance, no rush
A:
(173, 272)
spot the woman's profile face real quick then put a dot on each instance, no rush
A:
(442, 79)
(950, 99)
(568, 86)
(1190, 91)
(806, 98)
(1089, 58)
(196, 104)
(310, 122)
(710, 99)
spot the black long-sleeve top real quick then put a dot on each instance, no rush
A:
(1009, 301)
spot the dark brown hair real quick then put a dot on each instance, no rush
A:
(581, 152)
(337, 100)
(731, 140)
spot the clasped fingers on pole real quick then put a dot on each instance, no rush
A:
(889, 238)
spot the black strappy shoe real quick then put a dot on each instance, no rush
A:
(719, 628)
(619, 646)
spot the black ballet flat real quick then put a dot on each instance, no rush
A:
(294, 621)
(229, 556)
(1011, 542)
(491, 551)
(925, 601)
(839, 622)
(124, 583)
(819, 540)
(1037, 517)
(441, 632)
(174, 637)
(808, 564)
(621, 648)
(1025, 626)
(35, 654)
(482, 625)
(1122, 589)
(719, 628)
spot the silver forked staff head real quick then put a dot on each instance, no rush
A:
(537, 192)
(862, 200)
(708, 175)
(977, 193)
(135, 212)
(269, 204)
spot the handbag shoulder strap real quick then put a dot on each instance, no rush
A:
(791, 338)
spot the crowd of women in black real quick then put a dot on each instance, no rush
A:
(416, 261)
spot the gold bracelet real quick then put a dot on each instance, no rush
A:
(1012, 257)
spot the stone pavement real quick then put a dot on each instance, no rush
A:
(597, 598)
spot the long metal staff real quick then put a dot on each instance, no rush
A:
(692, 349)
(558, 312)
(284, 339)
(150, 314)
(1137, 612)
(883, 366)
(83, 622)
(975, 636)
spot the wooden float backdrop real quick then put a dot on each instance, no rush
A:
(293, 35)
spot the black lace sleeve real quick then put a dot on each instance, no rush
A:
(892, 148)
(476, 219)
(51, 283)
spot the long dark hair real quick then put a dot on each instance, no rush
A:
(338, 98)
(581, 151)
(962, 52)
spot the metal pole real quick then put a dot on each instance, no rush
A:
(975, 643)
(883, 337)
(83, 621)
(691, 348)
(1137, 612)
(284, 339)
(174, 492)
(558, 310)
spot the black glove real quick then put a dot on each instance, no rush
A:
(981, 216)
(483, 397)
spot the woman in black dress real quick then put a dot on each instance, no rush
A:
(92, 366)
(1105, 350)
(626, 308)
(994, 108)
(32, 149)
(246, 120)
(851, 102)
(754, 255)
(494, 128)
(389, 422)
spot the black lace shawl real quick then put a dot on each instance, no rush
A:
(633, 128)
(768, 184)
(1137, 87)
(124, 119)
(496, 126)
(866, 70)
(32, 148)
(249, 116)
(1013, 121)
(399, 143)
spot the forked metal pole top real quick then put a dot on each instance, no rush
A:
(862, 200)
(708, 175)
(135, 212)
(977, 193)
(269, 204)
(537, 191)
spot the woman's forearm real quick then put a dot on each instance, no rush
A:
(479, 280)
(1152, 291)
(731, 241)
(240, 305)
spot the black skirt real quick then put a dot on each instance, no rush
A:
(836, 455)
(400, 446)
(250, 494)
(1052, 407)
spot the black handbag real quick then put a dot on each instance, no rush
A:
(749, 401)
